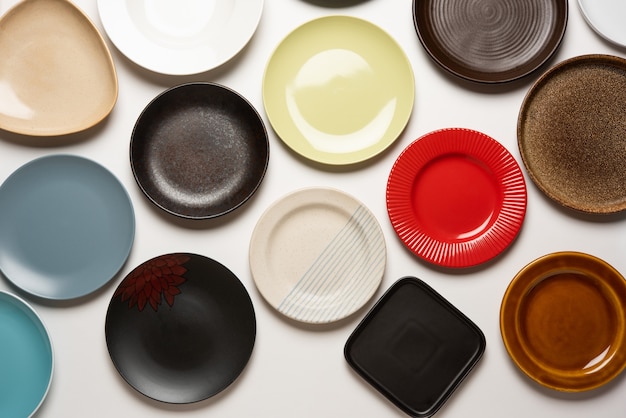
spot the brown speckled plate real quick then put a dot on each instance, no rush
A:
(199, 150)
(572, 133)
(490, 41)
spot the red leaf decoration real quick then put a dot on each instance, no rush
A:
(153, 281)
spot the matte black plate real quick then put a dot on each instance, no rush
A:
(199, 150)
(414, 347)
(180, 328)
(490, 41)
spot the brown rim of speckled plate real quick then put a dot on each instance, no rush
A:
(490, 41)
(571, 133)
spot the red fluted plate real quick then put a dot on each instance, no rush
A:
(456, 197)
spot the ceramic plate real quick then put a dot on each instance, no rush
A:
(338, 90)
(180, 328)
(570, 133)
(66, 229)
(490, 41)
(317, 255)
(57, 73)
(26, 358)
(456, 197)
(199, 150)
(606, 18)
(181, 37)
(563, 322)
(415, 347)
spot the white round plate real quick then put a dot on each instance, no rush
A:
(180, 37)
(317, 255)
(606, 18)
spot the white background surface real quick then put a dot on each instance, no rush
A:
(295, 370)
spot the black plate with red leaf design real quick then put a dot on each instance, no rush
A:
(180, 328)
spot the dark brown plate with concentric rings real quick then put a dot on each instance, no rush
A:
(490, 41)
(571, 133)
(199, 150)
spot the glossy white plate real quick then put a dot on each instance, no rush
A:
(606, 18)
(66, 227)
(317, 255)
(180, 37)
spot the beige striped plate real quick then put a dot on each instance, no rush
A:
(317, 255)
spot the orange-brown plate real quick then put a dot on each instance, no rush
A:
(562, 321)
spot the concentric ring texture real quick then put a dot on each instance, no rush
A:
(490, 40)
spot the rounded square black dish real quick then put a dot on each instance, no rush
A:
(415, 347)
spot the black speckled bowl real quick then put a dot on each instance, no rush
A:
(199, 150)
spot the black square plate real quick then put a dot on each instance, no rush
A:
(414, 347)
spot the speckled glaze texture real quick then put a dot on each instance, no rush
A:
(490, 41)
(199, 150)
(572, 133)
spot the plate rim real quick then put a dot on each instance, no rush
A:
(593, 24)
(159, 97)
(458, 254)
(115, 181)
(333, 158)
(508, 322)
(259, 238)
(36, 319)
(108, 10)
(116, 299)
(486, 80)
(536, 87)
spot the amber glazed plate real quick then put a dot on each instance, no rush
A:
(562, 321)
(572, 133)
(57, 73)
(490, 41)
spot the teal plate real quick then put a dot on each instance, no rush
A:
(26, 358)
(66, 227)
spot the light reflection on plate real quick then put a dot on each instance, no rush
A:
(338, 90)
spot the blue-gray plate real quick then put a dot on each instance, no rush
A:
(66, 227)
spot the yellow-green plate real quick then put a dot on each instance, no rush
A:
(338, 90)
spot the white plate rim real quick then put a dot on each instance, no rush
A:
(338, 158)
(598, 26)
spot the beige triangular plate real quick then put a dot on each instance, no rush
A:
(57, 75)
